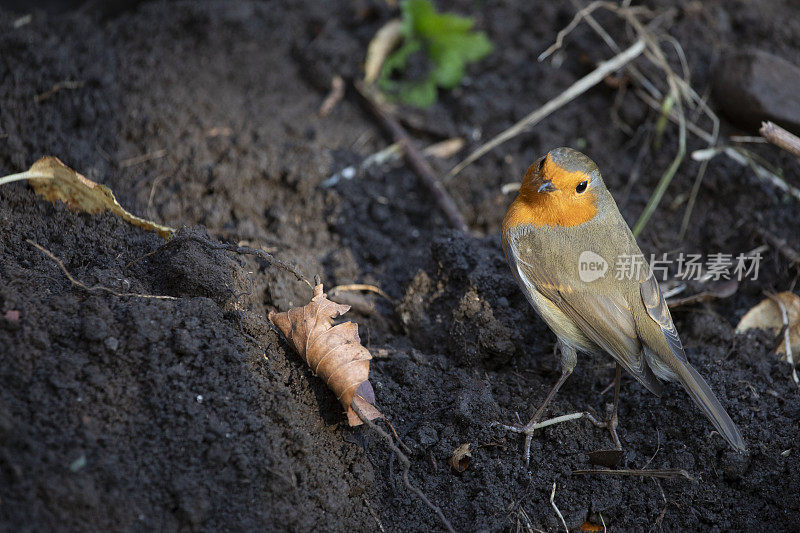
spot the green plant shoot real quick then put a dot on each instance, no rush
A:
(445, 42)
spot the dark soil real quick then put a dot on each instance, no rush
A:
(133, 413)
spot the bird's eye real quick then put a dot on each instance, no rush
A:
(541, 164)
(581, 187)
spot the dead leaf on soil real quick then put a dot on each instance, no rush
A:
(53, 180)
(767, 315)
(334, 353)
(386, 40)
(461, 457)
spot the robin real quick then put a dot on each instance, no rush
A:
(560, 235)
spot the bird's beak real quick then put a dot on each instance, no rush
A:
(546, 186)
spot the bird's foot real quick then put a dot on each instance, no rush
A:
(529, 428)
(610, 423)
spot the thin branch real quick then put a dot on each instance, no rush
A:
(745, 158)
(415, 159)
(406, 466)
(781, 138)
(780, 244)
(68, 84)
(672, 473)
(157, 154)
(553, 503)
(575, 90)
(94, 288)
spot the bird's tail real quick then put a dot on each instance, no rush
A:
(702, 395)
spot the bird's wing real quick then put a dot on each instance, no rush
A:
(657, 310)
(604, 318)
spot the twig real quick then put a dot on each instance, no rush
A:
(406, 467)
(392, 153)
(786, 334)
(744, 158)
(85, 287)
(359, 287)
(415, 160)
(333, 98)
(673, 116)
(142, 158)
(575, 90)
(553, 503)
(388, 154)
(780, 138)
(670, 473)
(269, 258)
(67, 84)
(373, 513)
(782, 246)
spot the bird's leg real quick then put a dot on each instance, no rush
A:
(612, 422)
(568, 360)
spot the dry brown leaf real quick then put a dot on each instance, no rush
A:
(386, 39)
(767, 315)
(461, 457)
(53, 180)
(445, 149)
(334, 353)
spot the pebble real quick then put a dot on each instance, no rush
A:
(751, 86)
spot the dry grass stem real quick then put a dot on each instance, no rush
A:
(94, 288)
(572, 92)
(68, 84)
(671, 473)
(553, 503)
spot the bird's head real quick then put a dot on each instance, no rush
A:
(563, 188)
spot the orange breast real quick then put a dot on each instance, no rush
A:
(550, 209)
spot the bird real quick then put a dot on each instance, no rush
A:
(560, 236)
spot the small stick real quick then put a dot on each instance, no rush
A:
(575, 90)
(406, 466)
(553, 503)
(780, 138)
(142, 158)
(85, 287)
(783, 247)
(67, 84)
(415, 160)
(671, 473)
(333, 98)
(374, 514)
(786, 334)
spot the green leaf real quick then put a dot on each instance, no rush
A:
(447, 40)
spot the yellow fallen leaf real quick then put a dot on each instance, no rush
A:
(54, 180)
(767, 315)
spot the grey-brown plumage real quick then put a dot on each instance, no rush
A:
(623, 315)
